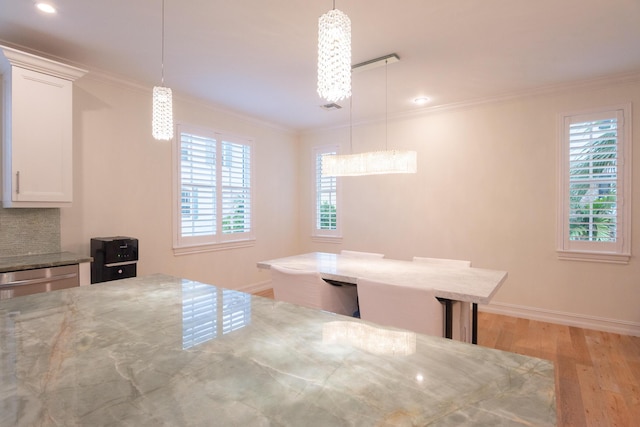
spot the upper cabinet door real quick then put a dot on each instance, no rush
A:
(37, 125)
(41, 140)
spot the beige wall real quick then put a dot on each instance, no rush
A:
(123, 184)
(486, 191)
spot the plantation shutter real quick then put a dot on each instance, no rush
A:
(213, 182)
(198, 185)
(593, 180)
(236, 188)
(594, 164)
(326, 197)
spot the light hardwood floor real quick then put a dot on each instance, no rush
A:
(597, 373)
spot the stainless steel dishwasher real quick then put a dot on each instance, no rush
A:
(27, 282)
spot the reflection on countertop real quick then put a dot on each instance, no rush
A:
(131, 352)
(209, 312)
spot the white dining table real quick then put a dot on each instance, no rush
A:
(466, 284)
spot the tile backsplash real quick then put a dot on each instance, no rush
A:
(29, 231)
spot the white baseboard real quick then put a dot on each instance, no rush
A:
(252, 288)
(570, 319)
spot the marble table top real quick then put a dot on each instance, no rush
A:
(476, 285)
(28, 262)
(164, 351)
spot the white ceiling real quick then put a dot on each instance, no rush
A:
(258, 57)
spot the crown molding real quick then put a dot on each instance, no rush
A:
(537, 91)
(616, 79)
(18, 58)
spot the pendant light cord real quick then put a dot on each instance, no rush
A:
(351, 124)
(386, 105)
(162, 53)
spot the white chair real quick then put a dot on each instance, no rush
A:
(415, 309)
(356, 254)
(443, 261)
(309, 290)
(460, 311)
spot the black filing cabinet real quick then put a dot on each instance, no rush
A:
(113, 258)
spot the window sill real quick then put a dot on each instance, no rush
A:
(327, 239)
(210, 247)
(594, 257)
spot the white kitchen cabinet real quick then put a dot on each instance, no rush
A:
(37, 159)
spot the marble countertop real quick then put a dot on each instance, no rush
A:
(164, 351)
(28, 262)
(476, 285)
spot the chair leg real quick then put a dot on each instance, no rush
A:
(448, 317)
(474, 324)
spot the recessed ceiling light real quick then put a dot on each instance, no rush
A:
(46, 7)
(421, 100)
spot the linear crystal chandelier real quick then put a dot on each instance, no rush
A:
(369, 163)
(162, 119)
(334, 55)
(372, 162)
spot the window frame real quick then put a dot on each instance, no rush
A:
(218, 240)
(318, 234)
(610, 252)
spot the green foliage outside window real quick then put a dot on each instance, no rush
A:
(594, 221)
(328, 217)
(235, 223)
(593, 198)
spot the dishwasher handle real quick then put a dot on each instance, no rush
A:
(27, 282)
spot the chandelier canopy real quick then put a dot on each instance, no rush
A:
(334, 56)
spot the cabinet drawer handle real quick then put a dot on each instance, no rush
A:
(38, 280)
(18, 182)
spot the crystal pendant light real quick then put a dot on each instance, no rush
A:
(334, 55)
(372, 162)
(162, 119)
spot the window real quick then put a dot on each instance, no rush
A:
(594, 219)
(214, 185)
(326, 210)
